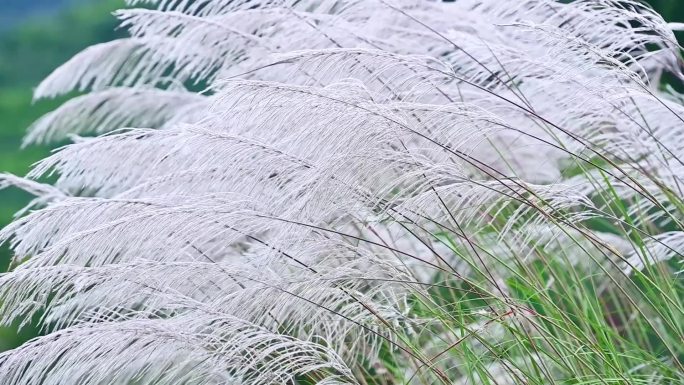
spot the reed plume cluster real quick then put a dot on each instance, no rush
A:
(366, 192)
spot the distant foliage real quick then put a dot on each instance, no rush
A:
(15, 10)
(357, 192)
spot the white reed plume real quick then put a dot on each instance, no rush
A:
(356, 192)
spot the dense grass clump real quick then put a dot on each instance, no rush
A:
(357, 192)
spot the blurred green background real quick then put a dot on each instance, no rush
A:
(35, 37)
